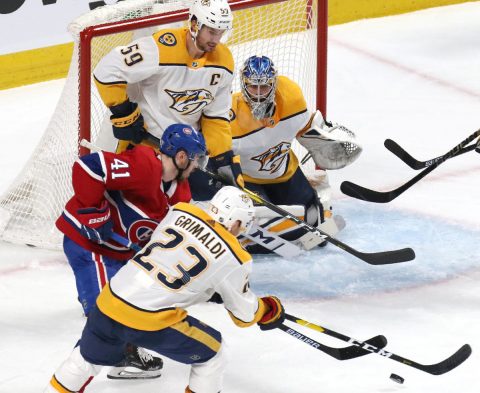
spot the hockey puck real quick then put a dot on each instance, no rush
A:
(396, 378)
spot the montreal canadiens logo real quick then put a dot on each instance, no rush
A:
(141, 230)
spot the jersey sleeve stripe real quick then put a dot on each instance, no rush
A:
(94, 165)
(221, 67)
(109, 83)
(216, 118)
(258, 315)
(293, 115)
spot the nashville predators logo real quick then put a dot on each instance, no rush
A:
(273, 158)
(189, 102)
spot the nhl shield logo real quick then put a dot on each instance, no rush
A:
(273, 159)
(189, 102)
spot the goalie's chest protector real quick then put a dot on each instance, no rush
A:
(265, 146)
(180, 89)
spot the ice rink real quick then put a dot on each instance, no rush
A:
(414, 78)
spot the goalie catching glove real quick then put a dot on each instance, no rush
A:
(97, 225)
(127, 122)
(228, 166)
(275, 314)
(332, 146)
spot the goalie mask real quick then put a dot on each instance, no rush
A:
(230, 204)
(211, 13)
(258, 81)
(182, 137)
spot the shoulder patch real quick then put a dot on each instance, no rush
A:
(167, 39)
(231, 115)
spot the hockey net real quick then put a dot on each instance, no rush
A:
(291, 32)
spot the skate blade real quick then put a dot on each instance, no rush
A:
(132, 373)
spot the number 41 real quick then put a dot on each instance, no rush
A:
(119, 165)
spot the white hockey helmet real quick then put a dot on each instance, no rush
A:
(211, 13)
(230, 204)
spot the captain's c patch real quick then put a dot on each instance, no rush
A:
(167, 39)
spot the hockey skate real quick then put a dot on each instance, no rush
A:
(138, 364)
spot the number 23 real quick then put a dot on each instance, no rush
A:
(185, 274)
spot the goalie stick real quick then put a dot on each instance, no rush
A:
(413, 163)
(372, 258)
(440, 368)
(355, 191)
(342, 353)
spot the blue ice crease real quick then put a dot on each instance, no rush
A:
(443, 251)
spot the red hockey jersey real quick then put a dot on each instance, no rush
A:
(132, 184)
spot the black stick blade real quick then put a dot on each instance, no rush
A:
(396, 149)
(450, 363)
(388, 257)
(355, 191)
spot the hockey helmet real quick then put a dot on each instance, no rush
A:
(212, 13)
(258, 81)
(230, 204)
(182, 137)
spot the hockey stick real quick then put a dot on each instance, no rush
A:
(442, 367)
(343, 353)
(372, 258)
(376, 258)
(125, 242)
(359, 192)
(413, 163)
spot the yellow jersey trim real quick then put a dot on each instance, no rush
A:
(119, 310)
(261, 310)
(231, 241)
(176, 53)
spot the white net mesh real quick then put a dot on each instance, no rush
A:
(284, 31)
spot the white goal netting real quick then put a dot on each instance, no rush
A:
(285, 31)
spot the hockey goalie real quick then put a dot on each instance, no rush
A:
(266, 115)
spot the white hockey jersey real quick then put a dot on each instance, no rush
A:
(188, 259)
(169, 86)
(264, 145)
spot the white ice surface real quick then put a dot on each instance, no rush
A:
(413, 78)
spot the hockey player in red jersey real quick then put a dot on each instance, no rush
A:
(193, 254)
(129, 194)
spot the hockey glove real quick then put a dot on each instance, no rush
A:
(275, 314)
(97, 225)
(127, 122)
(228, 165)
(332, 146)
